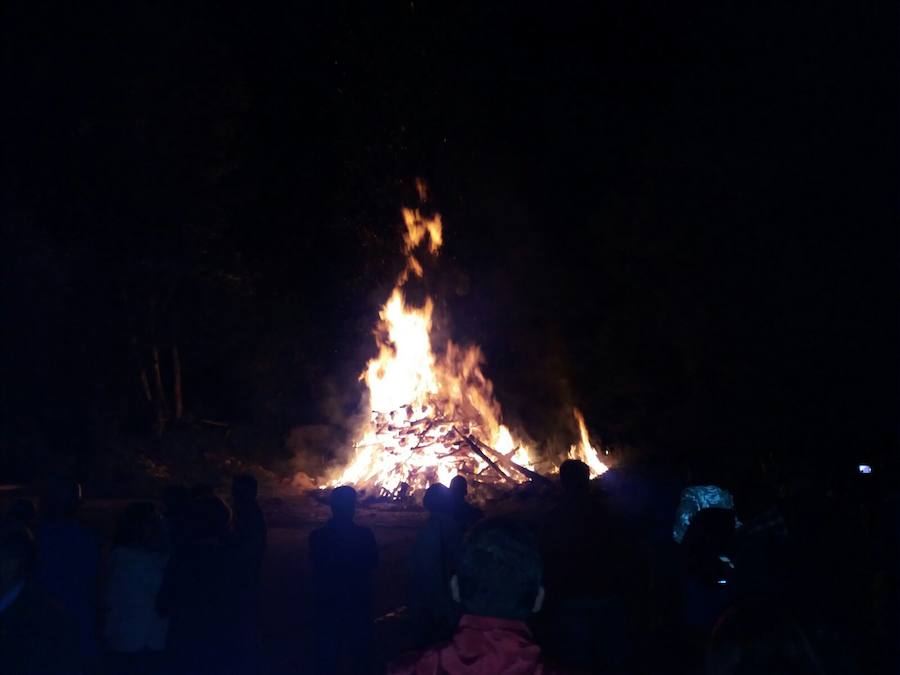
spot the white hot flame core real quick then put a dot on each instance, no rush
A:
(403, 372)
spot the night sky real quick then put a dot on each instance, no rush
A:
(679, 218)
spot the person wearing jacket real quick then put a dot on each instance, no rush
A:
(498, 585)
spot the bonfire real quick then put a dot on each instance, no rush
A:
(434, 415)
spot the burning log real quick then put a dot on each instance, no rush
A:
(474, 445)
(507, 462)
(423, 435)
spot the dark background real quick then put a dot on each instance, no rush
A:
(679, 218)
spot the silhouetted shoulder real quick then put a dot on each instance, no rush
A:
(318, 539)
(38, 636)
(367, 536)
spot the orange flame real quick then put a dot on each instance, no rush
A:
(417, 226)
(584, 451)
(425, 404)
(434, 415)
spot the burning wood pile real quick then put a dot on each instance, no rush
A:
(435, 415)
(418, 446)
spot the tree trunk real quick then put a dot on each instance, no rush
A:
(145, 384)
(176, 369)
(162, 408)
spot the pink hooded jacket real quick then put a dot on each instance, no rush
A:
(482, 645)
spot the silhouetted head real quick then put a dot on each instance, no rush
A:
(243, 489)
(575, 477)
(17, 554)
(459, 488)
(343, 503)
(201, 490)
(138, 526)
(22, 511)
(176, 500)
(500, 571)
(208, 518)
(758, 637)
(61, 498)
(436, 499)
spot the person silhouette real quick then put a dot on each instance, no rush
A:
(707, 573)
(248, 526)
(344, 556)
(248, 539)
(499, 586)
(464, 513)
(22, 510)
(575, 479)
(68, 564)
(587, 561)
(135, 633)
(432, 561)
(36, 634)
(198, 597)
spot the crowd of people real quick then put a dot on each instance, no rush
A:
(575, 587)
(180, 591)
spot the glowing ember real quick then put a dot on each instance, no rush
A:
(434, 415)
(584, 451)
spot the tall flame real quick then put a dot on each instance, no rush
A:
(403, 372)
(433, 415)
(583, 450)
(425, 405)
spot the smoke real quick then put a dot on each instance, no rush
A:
(319, 448)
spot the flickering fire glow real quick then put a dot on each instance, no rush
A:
(583, 450)
(434, 415)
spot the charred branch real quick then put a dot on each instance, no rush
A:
(509, 463)
(477, 450)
